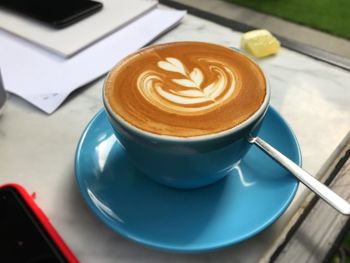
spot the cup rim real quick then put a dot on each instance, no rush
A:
(169, 138)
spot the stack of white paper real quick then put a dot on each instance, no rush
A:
(46, 79)
(70, 40)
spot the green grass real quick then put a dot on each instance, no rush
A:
(331, 16)
(345, 246)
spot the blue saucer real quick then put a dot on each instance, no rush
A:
(237, 207)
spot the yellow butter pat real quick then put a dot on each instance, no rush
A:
(260, 43)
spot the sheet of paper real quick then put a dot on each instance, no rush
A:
(114, 15)
(45, 79)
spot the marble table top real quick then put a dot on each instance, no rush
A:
(37, 150)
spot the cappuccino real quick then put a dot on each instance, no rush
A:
(185, 89)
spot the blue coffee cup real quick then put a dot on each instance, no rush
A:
(189, 162)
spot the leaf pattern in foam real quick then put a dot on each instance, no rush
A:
(172, 64)
(194, 93)
(185, 82)
(190, 98)
(197, 76)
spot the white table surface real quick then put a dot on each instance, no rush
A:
(37, 150)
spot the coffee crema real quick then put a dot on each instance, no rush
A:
(185, 89)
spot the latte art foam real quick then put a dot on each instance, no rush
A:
(176, 89)
(185, 89)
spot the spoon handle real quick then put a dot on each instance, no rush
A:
(307, 179)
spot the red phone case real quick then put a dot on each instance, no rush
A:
(45, 222)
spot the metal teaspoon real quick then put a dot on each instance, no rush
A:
(307, 179)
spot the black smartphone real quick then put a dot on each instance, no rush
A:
(56, 13)
(26, 235)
